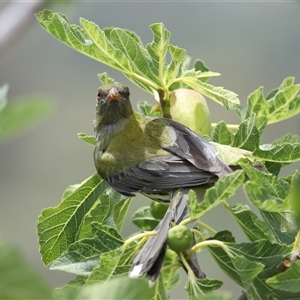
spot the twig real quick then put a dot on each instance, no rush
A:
(164, 105)
(233, 127)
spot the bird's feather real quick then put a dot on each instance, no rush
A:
(190, 161)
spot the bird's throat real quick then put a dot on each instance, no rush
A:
(105, 133)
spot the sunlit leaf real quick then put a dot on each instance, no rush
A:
(222, 134)
(266, 191)
(90, 139)
(58, 226)
(247, 136)
(84, 255)
(223, 189)
(283, 150)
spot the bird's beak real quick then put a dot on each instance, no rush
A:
(114, 95)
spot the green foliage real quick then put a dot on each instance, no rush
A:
(15, 116)
(17, 278)
(82, 235)
(123, 51)
(143, 219)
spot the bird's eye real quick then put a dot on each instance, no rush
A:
(126, 93)
(98, 95)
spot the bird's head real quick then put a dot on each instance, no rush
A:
(113, 104)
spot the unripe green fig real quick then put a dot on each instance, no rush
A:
(180, 238)
(189, 108)
(158, 210)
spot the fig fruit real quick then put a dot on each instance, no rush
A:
(180, 238)
(189, 108)
(158, 210)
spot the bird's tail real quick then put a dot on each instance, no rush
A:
(150, 259)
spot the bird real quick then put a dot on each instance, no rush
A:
(154, 156)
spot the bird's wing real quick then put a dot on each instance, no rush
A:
(194, 148)
(192, 161)
(159, 175)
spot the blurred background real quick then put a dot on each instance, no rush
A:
(251, 44)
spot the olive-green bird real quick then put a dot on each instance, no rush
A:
(154, 156)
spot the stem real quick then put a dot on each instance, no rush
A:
(185, 263)
(207, 227)
(229, 126)
(197, 232)
(208, 243)
(226, 205)
(139, 236)
(171, 266)
(188, 220)
(142, 79)
(164, 104)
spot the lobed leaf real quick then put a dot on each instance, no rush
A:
(285, 104)
(247, 136)
(90, 139)
(198, 287)
(98, 213)
(59, 226)
(218, 94)
(231, 155)
(257, 105)
(171, 275)
(293, 196)
(266, 191)
(222, 258)
(282, 225)
(143, 219)
(222, 134)
(268, 253)
(105, 79)
(288, 280)
(113, 263)
(253, 227)
(280, 104)
(249, 271)
(146, 109)
(223, 189)
(84, 255)
(283, 150)
(122, 50)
